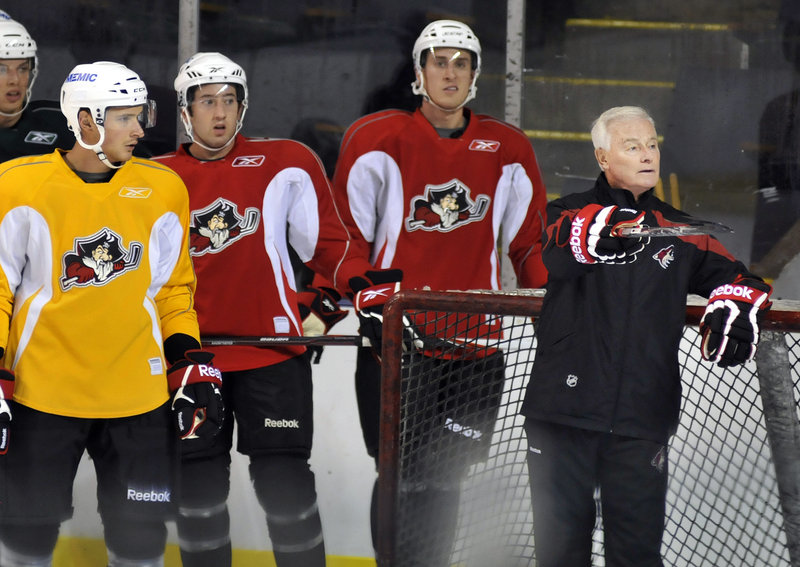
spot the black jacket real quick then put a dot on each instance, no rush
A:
(608, 336)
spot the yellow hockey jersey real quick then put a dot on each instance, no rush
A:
(93, 276)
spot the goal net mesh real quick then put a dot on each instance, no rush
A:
(451, 428)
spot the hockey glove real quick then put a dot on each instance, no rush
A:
(319, 310)
(196, 400)
(6, 394)
(729, 328)
(372, 290)
(593, 240)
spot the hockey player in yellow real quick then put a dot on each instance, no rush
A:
(98, 332)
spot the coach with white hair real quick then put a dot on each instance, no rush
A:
(605, 391)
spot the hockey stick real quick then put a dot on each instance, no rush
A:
(689, 228)
(322, 340)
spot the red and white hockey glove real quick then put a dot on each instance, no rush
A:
(196, 400)
(372, 291)
(6, 394)
(593, 235)
(729, 329)
(319, 310)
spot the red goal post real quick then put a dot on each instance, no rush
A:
(735, 460)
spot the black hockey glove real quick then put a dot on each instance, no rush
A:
(729, 329)
(372, 290)
(6, 394)
(594, 237)
(196, 400)
(319, 310)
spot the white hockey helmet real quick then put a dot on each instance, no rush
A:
(205, 68)
(446, 33)
(97, 87)
(16, 43)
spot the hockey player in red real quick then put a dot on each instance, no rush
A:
(251, 199)
(427, 196)
(97, 327)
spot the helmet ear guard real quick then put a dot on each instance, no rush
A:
(96, 87)
(17, 43)
(205, 68)
(446, 33)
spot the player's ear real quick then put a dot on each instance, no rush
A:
(89, 131)
(602, 158)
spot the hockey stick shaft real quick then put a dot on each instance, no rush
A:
(689, 229)
(322, 340)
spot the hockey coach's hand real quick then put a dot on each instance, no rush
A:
(6, 394)
(196, 399)
(319, 310)
(729, 329)
(372, 290)
(592, 235)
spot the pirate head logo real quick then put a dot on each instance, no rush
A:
(98, 259)
(446, 207)
(665, 256)
(219, 225)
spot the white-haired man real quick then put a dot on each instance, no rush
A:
(605, 390)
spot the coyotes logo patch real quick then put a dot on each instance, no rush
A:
(665, 256)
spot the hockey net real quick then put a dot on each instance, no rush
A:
(457, 426)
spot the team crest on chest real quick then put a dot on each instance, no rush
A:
(665, 256)
(446, 207)
(219, 225)
(97, 259)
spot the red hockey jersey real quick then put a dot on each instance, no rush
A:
(439, 208)
(246, 209)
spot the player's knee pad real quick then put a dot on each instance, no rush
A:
(282, 482)
(29, 545)
(204, 482)
(285, 487)
(135, 542)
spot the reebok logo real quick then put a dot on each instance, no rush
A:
(135, 192)
(44, 138)
(484, 145)
(464, 430)
(729, 290)
(372, 294)
(248, 161)
(282, 423)
(575, 240)
(148, 495)
(210, 371)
